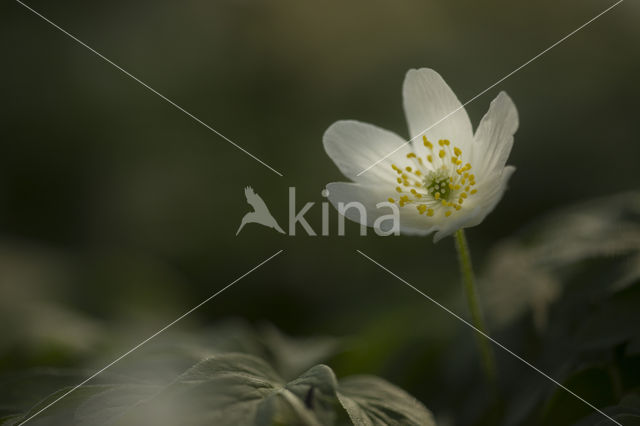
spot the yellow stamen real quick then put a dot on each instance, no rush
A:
(426, 142)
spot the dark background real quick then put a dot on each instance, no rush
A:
(123, 210)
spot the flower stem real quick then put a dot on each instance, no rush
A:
(468, 281)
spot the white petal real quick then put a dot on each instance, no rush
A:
(494, 137)
(427, 101)
(414, 223)
(367, 195)
(411, 222)
(453, 223)
(492, 195)
(355, 146)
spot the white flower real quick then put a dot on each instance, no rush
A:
(447, 178)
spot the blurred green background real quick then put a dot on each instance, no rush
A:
(118, 212)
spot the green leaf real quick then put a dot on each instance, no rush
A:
(105, 407)
(372, 401)
(173, 352)
(313, 392)
(62, 410)
(237, 389)
(292, 356)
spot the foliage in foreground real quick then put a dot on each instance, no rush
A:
(230, 388)
(237, 389)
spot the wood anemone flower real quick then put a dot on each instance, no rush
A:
(445, 179)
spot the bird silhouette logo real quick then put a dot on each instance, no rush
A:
(260, 213)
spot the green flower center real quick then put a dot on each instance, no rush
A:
(438, 187)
